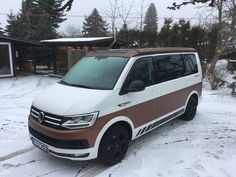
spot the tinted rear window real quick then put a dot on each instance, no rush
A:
(168, 67)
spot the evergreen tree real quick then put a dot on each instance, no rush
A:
(198, 36)
(175, 35)
(184, 33)
(1, 30)
(164, 35)
(14, 27)
(150, 27)
(150, 21)
(135, 37)
(49, 21)
(37, 20)
(28, 19)
(94, 25)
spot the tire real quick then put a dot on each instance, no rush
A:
(191, 109)
(114, 145)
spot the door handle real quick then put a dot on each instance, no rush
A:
(125, 103)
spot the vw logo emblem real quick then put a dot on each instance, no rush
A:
(41, 117)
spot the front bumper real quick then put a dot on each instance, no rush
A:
(72, 154)
(68, 144)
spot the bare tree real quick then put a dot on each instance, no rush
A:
(113, 13)
(141, 20)
(224, 11)
(124, 13)
(67, 6)
(226, 15)
(226, 23)
(193, 2)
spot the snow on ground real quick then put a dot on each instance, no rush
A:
(16, 96)
(204, 147)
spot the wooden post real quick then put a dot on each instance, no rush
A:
(13, 52)
(34, 60)
(54, 54)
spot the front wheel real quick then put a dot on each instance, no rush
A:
(191, 109)
(114, 145)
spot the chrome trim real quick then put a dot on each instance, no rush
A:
(51, 122)
(34, 115)
(34, 111)
(52, 118)
(48, 119)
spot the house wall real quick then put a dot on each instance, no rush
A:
(74, 55)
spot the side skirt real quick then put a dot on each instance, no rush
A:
(154, 124)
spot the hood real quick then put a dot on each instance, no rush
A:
(66, 100)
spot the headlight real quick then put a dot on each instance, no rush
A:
(80, 121)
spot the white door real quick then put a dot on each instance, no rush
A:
(6, 63)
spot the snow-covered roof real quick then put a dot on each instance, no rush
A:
(82, 39)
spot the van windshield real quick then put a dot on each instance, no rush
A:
(95, 72)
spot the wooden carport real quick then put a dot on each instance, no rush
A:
(85, 43)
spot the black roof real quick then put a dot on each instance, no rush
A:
(4, 38)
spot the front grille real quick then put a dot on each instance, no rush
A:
(65, 144)
(50, 120)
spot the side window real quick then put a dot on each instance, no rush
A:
(178, 66)
(141, 70)
(190, 64)
(168, 67)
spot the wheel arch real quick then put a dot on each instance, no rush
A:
(121, 120)
(195, 94)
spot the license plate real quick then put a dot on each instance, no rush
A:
(39, 144)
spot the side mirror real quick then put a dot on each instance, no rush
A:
(135, 86)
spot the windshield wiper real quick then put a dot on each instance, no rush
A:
(74, 85)
(82, 86)
(63, 82)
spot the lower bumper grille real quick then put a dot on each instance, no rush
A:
(64, 144)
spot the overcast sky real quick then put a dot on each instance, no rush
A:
(84, 7)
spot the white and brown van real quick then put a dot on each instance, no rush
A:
(112, 97)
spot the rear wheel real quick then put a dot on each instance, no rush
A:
(191, 109)
(114, 145)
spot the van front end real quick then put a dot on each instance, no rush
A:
(73, 144)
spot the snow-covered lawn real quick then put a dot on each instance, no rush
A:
(204, 147)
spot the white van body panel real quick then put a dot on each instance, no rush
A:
(111, 104)
(67, 100)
